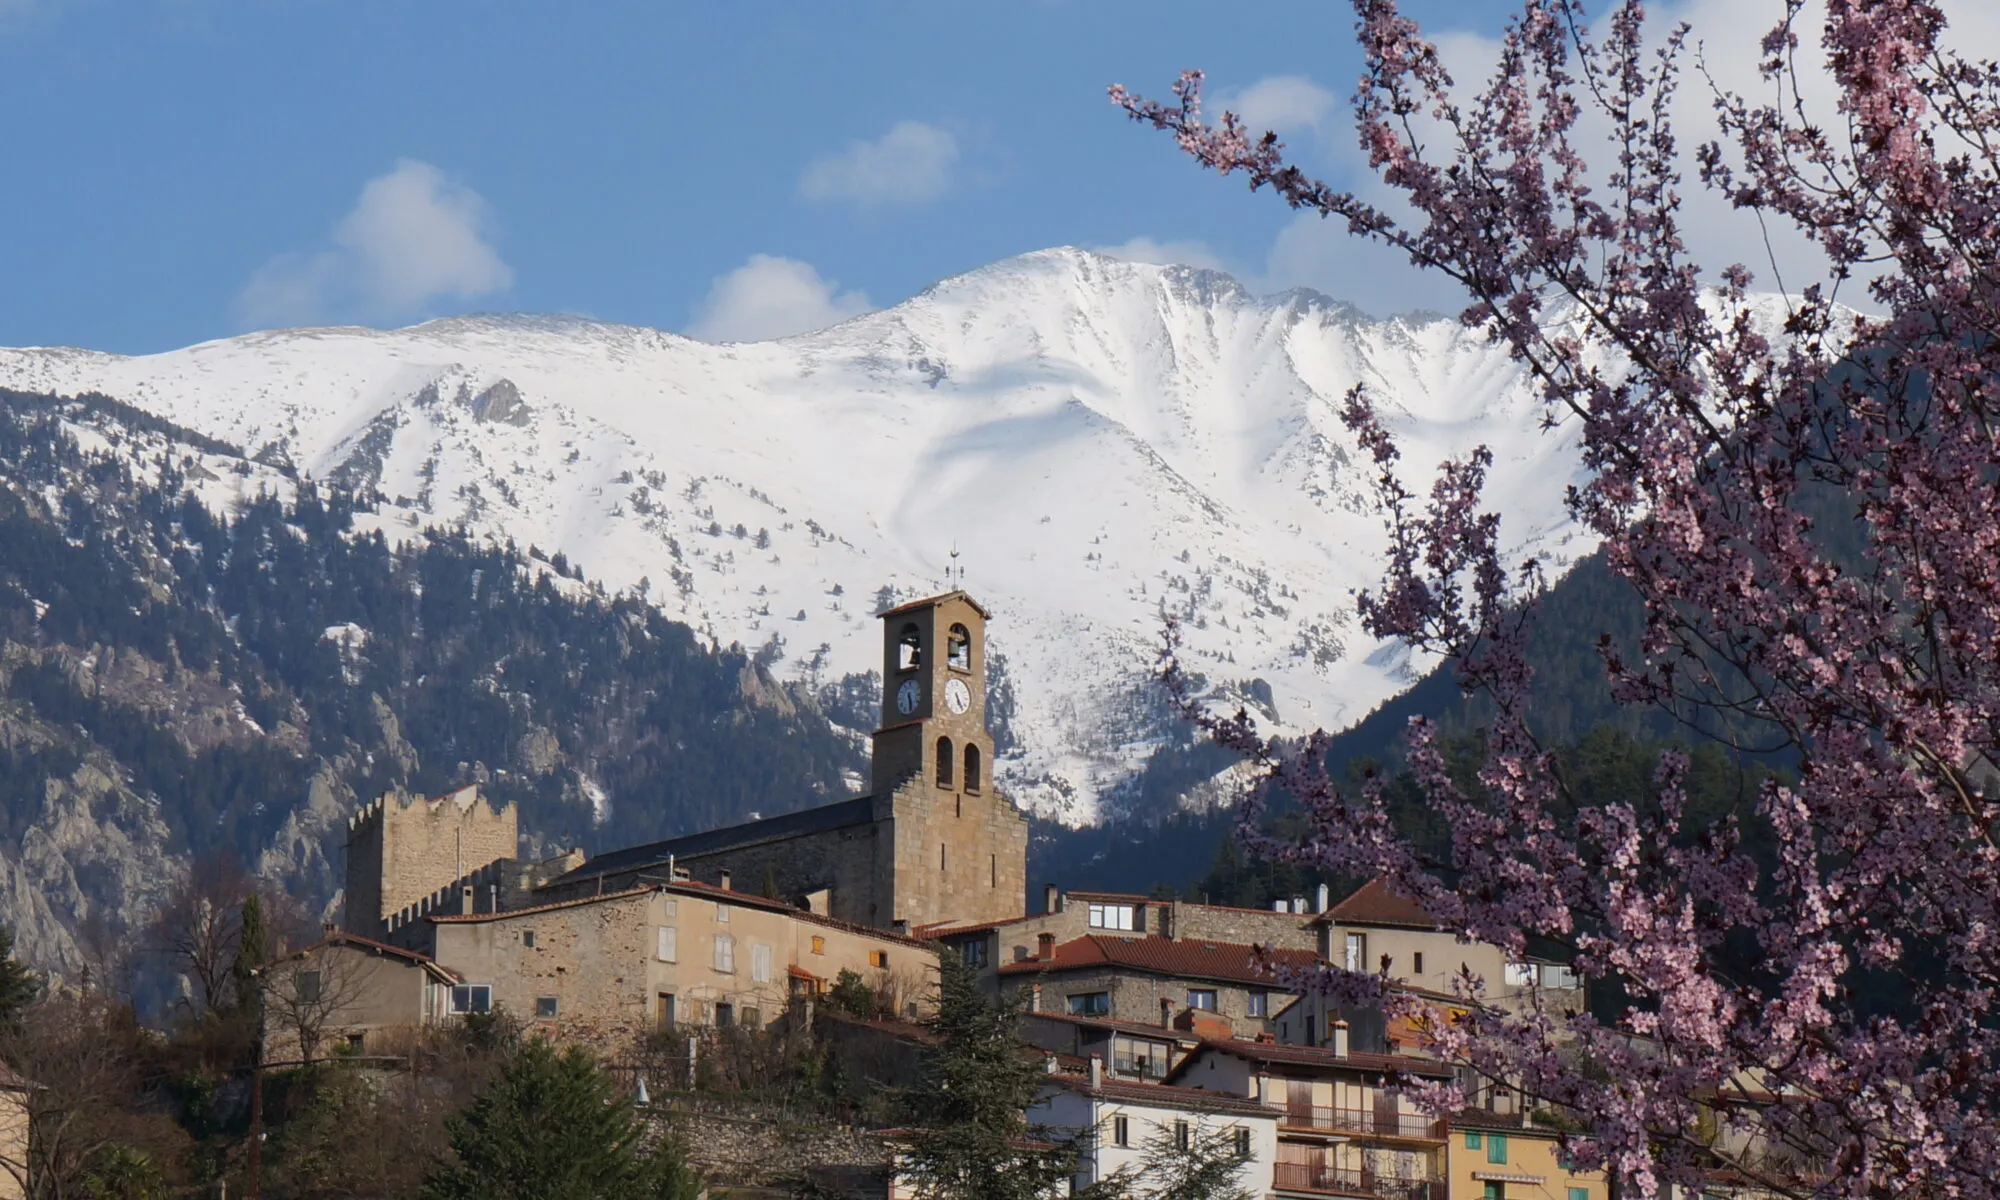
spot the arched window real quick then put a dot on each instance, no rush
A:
(944, 762)
(909, 648)
(972, 768)
(958, 648)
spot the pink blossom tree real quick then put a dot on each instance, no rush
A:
(1868, 644)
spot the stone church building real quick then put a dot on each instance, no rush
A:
(933, 841)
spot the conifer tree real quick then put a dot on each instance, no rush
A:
(19, 987)
(973, 1139)
(551, 1127)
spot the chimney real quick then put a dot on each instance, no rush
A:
(1340, 1039)
(1035, 1002)
(1051, 899)
(722, 881)
(1096, 1071)
(465, 902)
(1320, 900)
(1278, 906)
(1298, 904)
(1045, 946)
(1166, 1013)
(1048, 1064)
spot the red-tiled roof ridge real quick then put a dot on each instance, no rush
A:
(942, 929)
(340, 937)
(1136, 1028)
(1235, 962)
(505, 913)
(1164, 1095)
(1317, 1056)
(1375, 903)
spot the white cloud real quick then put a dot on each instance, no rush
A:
(1286, 103)
(412, 238)
(770, 297)
(1146, 250)
(910, 164)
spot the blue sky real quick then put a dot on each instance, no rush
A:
(189, 169)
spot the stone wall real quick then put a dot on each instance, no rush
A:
(850, 862)
(960, 856)
(1136, 996)
(754, 1145)
(1250, 926)
(402, 851)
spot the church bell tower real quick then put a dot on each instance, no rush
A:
(934, 696)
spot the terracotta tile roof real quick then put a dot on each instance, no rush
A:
(940, 598)
(1135, 1028)
(340, 937)
(1231, 962)
(1282, 1054)
(945, 929)
(1130, 897)
(1162, 1095)
(1374, 904)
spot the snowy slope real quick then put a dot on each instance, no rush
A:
(1102, 441)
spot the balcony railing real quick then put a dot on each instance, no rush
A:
(1347, 1181)
(1363, 1121)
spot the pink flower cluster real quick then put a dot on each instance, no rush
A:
(1811, 520)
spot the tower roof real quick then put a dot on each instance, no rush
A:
(933, 602)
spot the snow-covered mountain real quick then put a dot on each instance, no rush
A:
(1101, 442)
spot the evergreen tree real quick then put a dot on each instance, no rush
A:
(550, 1127)
(253, 950)
(19, 987)
(973, 1140)
(1188, 1161)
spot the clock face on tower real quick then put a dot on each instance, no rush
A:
(907, 696)
(957, 696)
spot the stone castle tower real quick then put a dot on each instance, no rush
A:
(407, 856)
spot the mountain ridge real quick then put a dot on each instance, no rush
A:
(1104, 442)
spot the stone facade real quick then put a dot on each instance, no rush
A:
(600, 971)
(350, 993)
(408, 855)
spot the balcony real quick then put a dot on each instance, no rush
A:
(1342, 1181)
(1368, 1122)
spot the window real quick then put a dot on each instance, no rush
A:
(306, 984)
(1520, 974)
(668, 948)
(1121, 1131)
(1260, 1004)
(958, 648)
(909, 648)
(1113, 916)
(972, 768)
(1496, 1148)
(1357, 952)
(1577, 1193)
(944, 754)
(725, 953)
(1472, 1139)
(940, 856)
(974, 953)
(1182, 1135)
(1555, 975)
(1243, 1142)
(663, 1010)
(1417, 962)
(722, 914)
(992, 870)
(545, 1008)
(1494, 1191)
(760, 962)
(670, 906)
(355, 1044)
(528, 939)
(1090, 1004)
(472, 998)
(1309, 1031)
(879, 958)
(753, 1018)
(725, 1014)
(1202, 998)
(818, 944)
